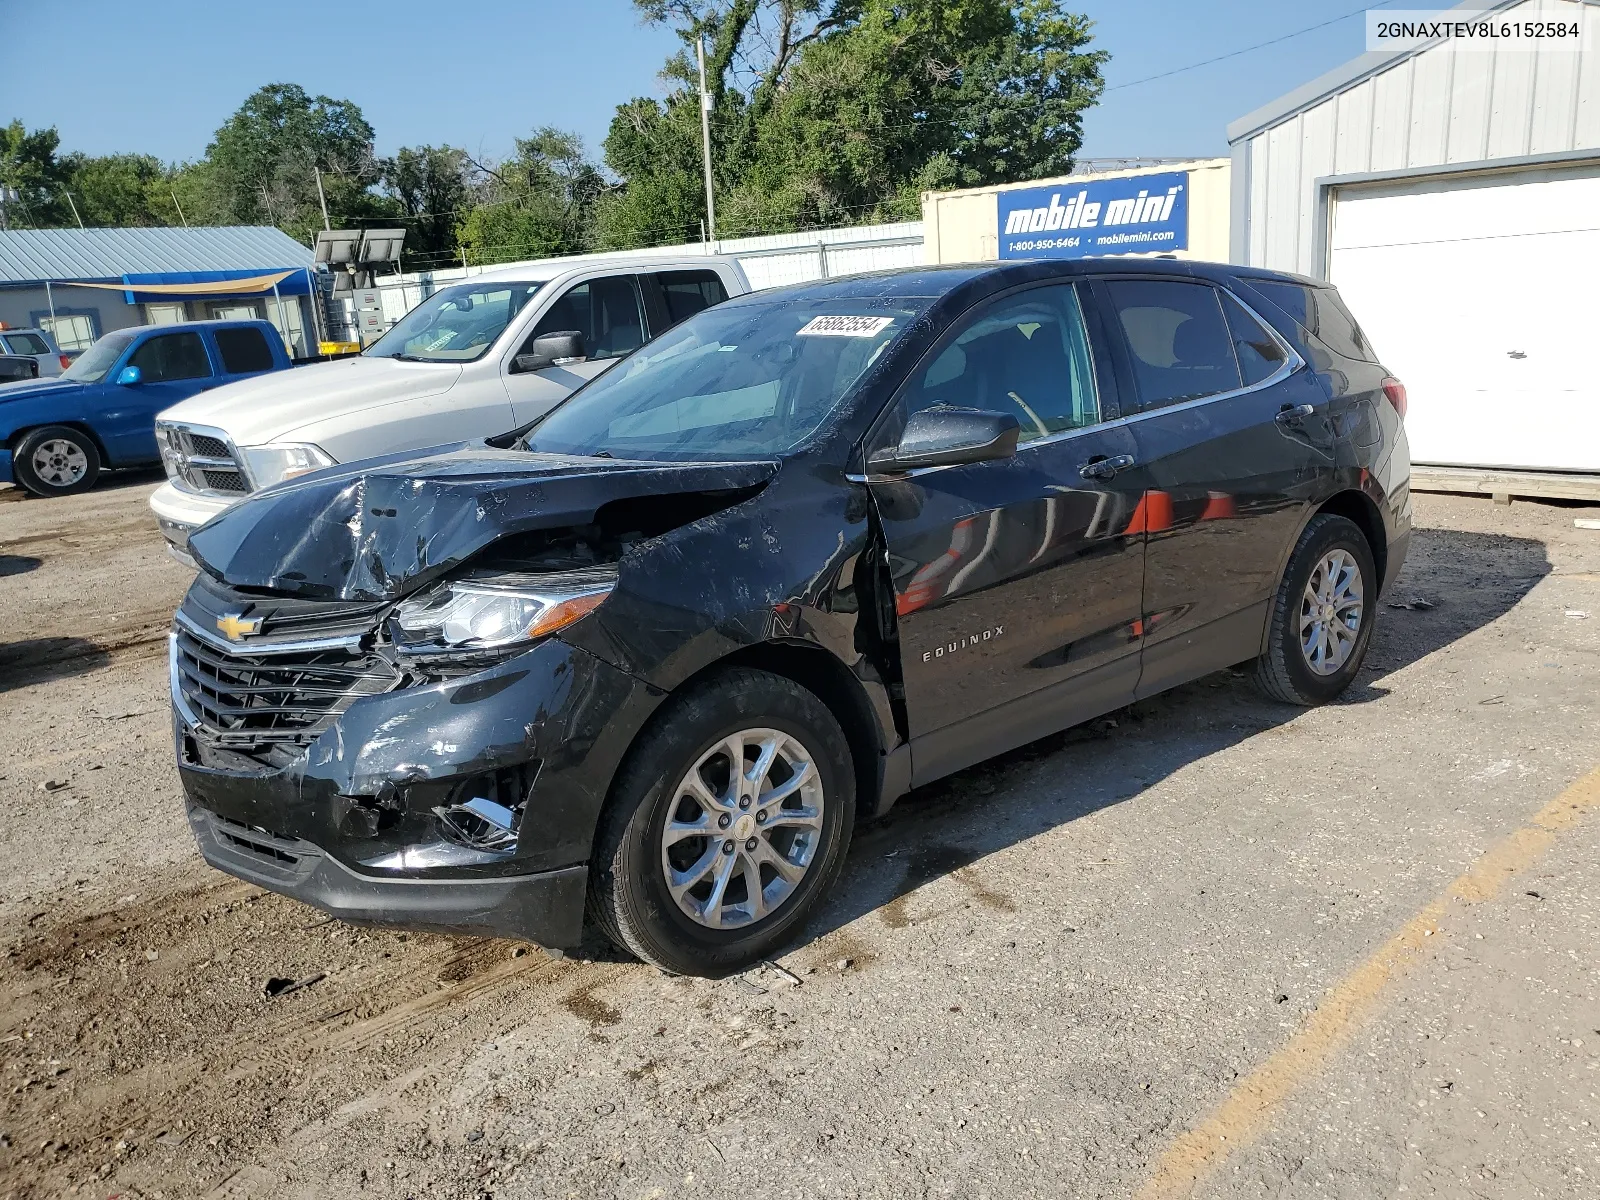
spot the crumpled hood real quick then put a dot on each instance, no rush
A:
(274, 406)
(32, 389)
(385, 527)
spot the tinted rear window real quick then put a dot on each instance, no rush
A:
(26, 343)
(1321, 313)
(243, 351)
(1180, 344)
(688, 292)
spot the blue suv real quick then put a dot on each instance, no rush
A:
(57, 435)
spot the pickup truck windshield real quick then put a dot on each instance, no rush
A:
(748, 380)
(91, 366)
(456, 324)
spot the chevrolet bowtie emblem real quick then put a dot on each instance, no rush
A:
(238, 628)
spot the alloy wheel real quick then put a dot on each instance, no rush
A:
(745, 824)
(60, 463)
(1331, 609)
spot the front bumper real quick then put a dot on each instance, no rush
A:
(180, 513)
(350, 824)
(543, 906)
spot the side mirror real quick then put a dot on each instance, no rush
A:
(944, 437)
(549, 350)
(129, 376)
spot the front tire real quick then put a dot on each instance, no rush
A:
(56, 460)
(1322, 616)
(704, 870)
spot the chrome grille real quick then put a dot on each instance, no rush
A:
(201, 462)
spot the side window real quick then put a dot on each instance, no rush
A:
(170, 357)
(1258, 352)
(606, 311)
(1027, 355)
(243, 351)
(687, 292)
(1178, 341)
(26, 343)
(1321, 313)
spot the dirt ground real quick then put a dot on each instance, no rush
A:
(1209, 946)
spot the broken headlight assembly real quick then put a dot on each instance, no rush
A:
(495, 615)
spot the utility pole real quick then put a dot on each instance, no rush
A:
(705, 138)
(74, 207)
(8, 196)
(322, 199)
(174, 193)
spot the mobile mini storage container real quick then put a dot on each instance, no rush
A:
(1179, 209)
(1453, 195)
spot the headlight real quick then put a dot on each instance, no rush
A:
(167, 442)
(273, 464)
(496, 612)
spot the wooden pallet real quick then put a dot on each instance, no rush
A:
(1502, 485)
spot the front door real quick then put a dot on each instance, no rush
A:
(1017, 582)
(1231, 440)
(608, 312)
(172, 367)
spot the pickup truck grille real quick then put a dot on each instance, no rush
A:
(201, 462)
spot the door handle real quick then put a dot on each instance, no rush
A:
(1104, 468)
(1291, 414)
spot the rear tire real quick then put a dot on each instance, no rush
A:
(742, 904)
(56, 460)
(1322, 616)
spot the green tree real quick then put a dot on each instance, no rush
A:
(433, 187)
(116, 189)
(830, 111)
(538, 202)
(263, 163)
(28, 164)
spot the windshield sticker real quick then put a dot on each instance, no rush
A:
(841, 326)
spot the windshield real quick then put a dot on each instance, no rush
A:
(455, 324)
(91, 366)
(748, 381)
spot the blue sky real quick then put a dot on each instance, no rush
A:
(159, 76)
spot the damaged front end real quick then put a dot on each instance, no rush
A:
(374, 708)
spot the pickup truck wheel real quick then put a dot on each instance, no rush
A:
(1322, 616)
(727, 823)
(56, 460)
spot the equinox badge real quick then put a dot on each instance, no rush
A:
(238, 628)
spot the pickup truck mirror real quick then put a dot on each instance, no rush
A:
(129, 376)
(945, 437)
(549, 350)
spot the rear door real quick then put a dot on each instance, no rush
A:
(1232, 441)
(609, 312)
(172, 367)
(674, 296)
(242, 351)
(1017, 583)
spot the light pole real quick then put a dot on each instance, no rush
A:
(705, 139)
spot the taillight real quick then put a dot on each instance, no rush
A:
(1396, 391)
(65, 361)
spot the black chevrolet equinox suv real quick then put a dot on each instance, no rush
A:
(648, 661)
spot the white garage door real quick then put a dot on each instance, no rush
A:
(1483, 296)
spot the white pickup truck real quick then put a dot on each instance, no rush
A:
(476, 358)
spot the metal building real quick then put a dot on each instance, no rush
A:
(1454, 198)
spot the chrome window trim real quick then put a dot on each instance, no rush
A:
(1292, 362)
(264, 649)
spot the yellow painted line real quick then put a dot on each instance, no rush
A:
(1244, 1115)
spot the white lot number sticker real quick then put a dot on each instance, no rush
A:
(845, 326)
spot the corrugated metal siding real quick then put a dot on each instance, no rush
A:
(1428, 110)
(30, 255)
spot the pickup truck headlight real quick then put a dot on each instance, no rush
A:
(495, 612)
(273, 464)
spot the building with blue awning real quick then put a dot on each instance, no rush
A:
(82, 283)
